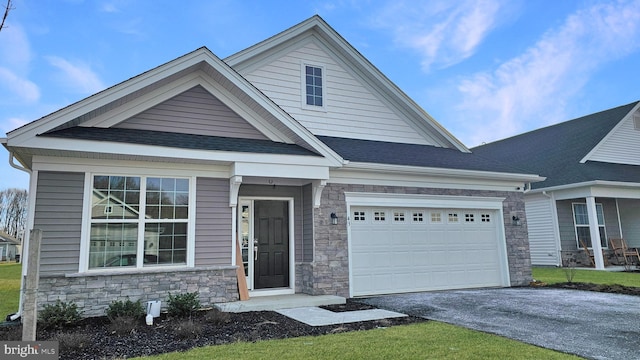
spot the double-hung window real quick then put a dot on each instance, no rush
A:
(138, 221)
(313, 86)
(581, 221)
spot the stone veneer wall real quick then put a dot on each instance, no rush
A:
(329, 272)
(94, 292)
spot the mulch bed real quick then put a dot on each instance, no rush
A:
(95, 338)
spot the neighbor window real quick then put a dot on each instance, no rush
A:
(313, 82)
(581, 222)
(127, 210)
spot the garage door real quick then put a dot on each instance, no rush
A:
(417, 249)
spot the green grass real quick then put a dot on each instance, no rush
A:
(9, 288)
(558, 275)
(429, 340)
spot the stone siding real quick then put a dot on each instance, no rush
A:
(329, 273)
(94, 292)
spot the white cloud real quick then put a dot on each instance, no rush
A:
(443, 32)
(78, 76)
(534, 87)
(25, 90)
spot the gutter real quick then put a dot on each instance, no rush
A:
(23, 259)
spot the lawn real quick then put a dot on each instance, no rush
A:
(9, 288)
(551, 275)
(430, 340)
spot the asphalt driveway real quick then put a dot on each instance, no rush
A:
(589, 324)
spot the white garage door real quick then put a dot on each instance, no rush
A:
(418, 249)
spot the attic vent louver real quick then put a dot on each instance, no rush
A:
(636, 121)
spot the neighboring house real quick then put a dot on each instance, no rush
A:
(332, 180)
(592, 186)
(9, 247)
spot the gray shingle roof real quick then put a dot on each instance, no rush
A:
(555, 151)
(380, 152)
(179, 140)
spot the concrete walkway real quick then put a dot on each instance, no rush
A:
(316, 316)
(589, 324)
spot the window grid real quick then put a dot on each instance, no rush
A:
(418, 217)
(436, 217)
(313, 76)
(398, 216)
(453, 217)
(358, 216)
(469, 217)
(379, 216)
(581, 224)
(485, 217)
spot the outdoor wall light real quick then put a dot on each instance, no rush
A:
(334, 219)
(515, 220)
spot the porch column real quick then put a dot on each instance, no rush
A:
(595, 232)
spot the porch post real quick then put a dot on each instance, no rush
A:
(595, 232)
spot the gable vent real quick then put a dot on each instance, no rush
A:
(636, 121)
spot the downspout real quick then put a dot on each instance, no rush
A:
(25, 244)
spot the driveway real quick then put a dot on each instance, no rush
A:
(589, 324)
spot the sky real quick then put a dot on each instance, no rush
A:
(484, 69)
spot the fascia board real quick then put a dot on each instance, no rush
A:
(627, 117)
(104, 97)
(591, 188)
(114, 148)
(424, 200)
(432, 171)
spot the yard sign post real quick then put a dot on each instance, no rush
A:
(30, 306)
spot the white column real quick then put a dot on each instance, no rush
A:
(595, 232)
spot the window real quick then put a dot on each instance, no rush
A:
(418, 216)
(469, 217)
(398, 216)
(453, 217)
(313, 81)
(379, 216)
(358, 216)
(436, 217)
(136, 218)
(581, 221)
(485, 218)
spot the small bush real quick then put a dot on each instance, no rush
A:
(188, 329)
(123, 325)
(183, 305)
(216, 317)
(60, 314)
(72, 341)
(128, 308)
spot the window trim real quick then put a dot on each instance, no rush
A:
(85, 239)
(303, 87)
(575, 225)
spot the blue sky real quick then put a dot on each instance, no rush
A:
(484, 69)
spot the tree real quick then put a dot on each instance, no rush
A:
(6, 13)
(13, 211)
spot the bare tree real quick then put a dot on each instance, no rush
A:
(13, 211)
(6, 13)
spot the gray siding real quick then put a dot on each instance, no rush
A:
(213, 222)
(622, 146)
(567, 228)
(307, 222)
(58, 213)
(195, 111)
(283, 191)
(629, 215)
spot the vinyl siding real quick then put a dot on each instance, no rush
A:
(350, 109)
(622, 146)
(283, 191)
(195, 111)
(542, 241)
(629, 215)
(567, 227)
(58, 213)
(213, 222)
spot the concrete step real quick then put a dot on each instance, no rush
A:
(277, 302)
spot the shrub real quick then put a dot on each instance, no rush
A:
(183, 305)
(188, 329)
(72, 341)
(128, 308)
(60, 314)
(123, 325)
(216, 317)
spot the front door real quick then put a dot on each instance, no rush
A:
(271, 244)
